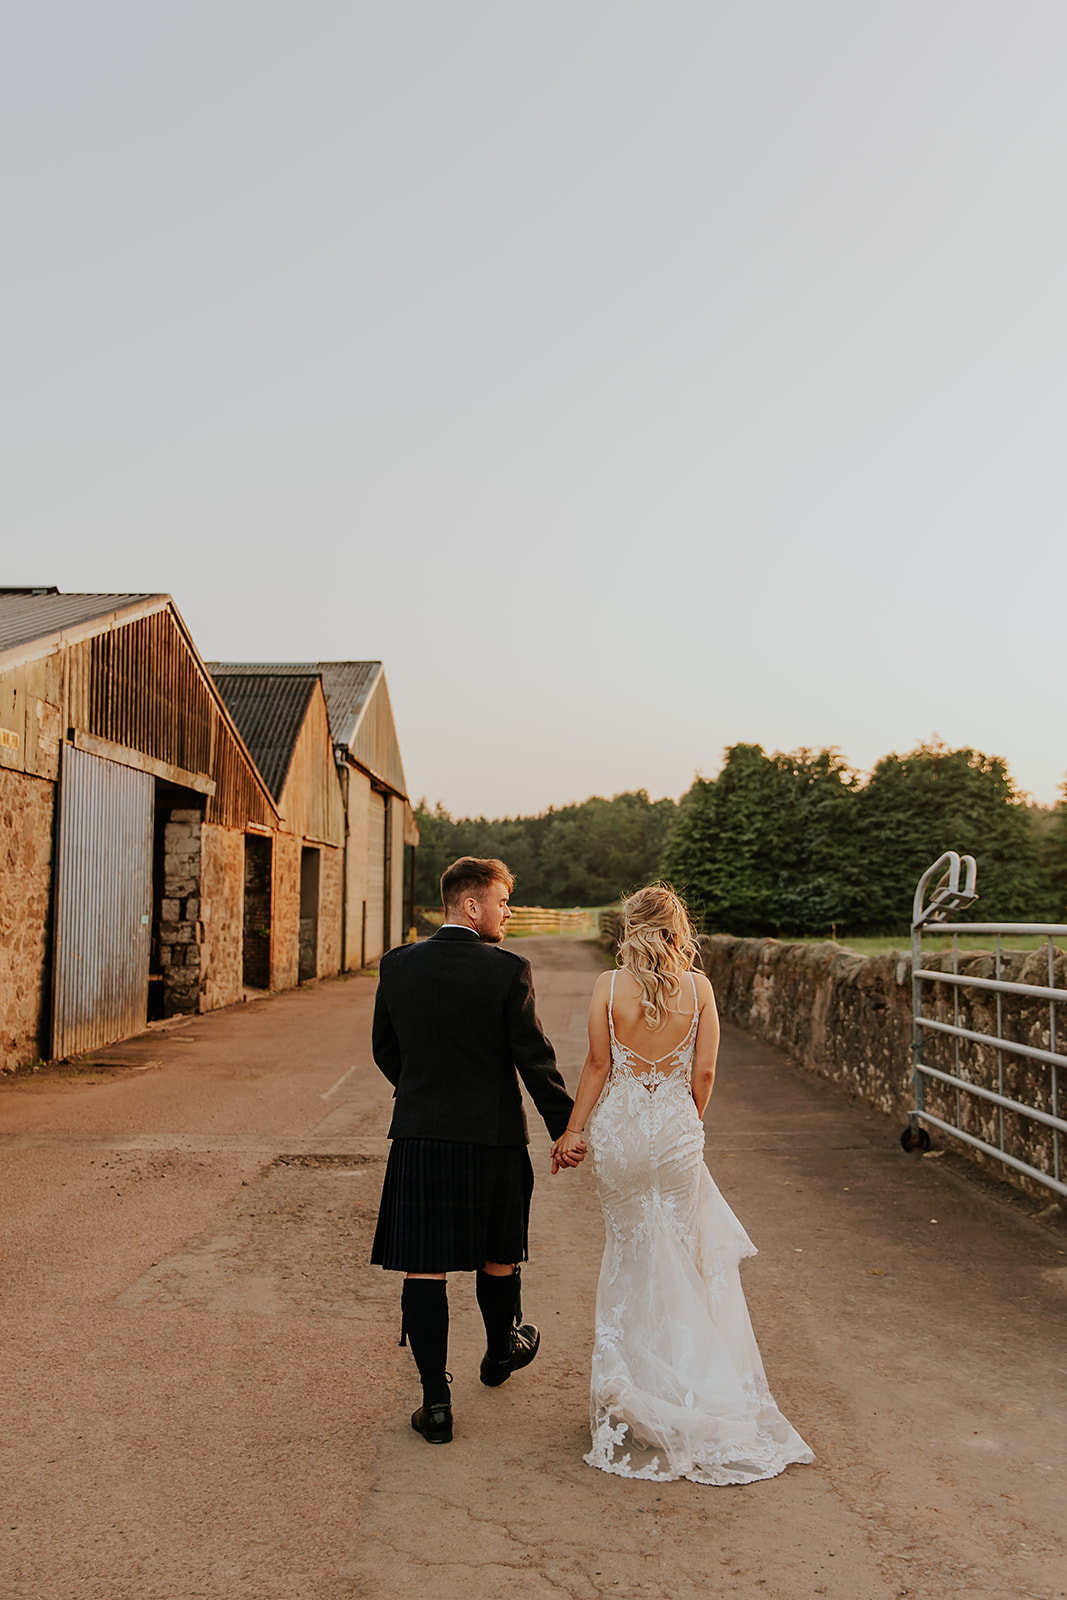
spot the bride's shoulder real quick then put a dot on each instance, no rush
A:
(704, 990)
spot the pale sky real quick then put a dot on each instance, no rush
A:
(633, 379)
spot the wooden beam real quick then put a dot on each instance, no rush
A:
(136, 758)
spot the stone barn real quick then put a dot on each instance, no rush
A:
(128, 805)
(294, 881)
(380, 829)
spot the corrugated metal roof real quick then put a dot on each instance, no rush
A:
(269, 707)
(346, 685)
(30, 614)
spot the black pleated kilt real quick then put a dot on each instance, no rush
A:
(450, 1207)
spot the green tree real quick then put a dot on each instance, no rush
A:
(1049, 826)
(934, 799)
(587, 854)
(768, 846)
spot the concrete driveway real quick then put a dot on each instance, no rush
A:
(203, 1393)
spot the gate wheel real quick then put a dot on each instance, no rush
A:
(915, 1139)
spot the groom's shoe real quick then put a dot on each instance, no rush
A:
(434, 1423)
(524, 1343)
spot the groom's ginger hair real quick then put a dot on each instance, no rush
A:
(472, 875)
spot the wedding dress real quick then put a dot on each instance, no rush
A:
(678, 1387)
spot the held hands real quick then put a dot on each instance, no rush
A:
(568, 1150)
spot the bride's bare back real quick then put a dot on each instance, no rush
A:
(631, 1027)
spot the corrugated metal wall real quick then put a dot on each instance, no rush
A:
(103, 902)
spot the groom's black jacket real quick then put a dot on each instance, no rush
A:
(453, 1020)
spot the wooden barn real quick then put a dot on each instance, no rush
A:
(127, 802)
(294, 881)
(380, 829)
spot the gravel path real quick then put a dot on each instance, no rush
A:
(203, 1393)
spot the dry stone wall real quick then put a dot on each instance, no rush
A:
(221, 916)
(26, 814)
(848, 1018)
(285, 948)
(180, 928)
(331, 894)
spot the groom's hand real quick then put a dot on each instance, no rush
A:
(569, 1150)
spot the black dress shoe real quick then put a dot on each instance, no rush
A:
(524, 1343)
(434, 1423)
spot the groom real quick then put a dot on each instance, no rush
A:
(455, 1028)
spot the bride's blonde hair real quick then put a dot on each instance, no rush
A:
(658, 946)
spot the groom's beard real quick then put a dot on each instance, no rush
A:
(491, 938)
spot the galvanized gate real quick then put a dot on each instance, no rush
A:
(103, 904)
(982, 1112)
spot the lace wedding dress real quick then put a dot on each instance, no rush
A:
(678, 1387)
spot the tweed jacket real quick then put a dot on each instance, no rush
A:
(455, 1028)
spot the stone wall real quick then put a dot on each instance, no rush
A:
(285, 944)
(221, 916)
(331, 893)
(26, 812)
(180, 925)
(847, 1017)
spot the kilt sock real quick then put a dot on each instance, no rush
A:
(498, 1302)
(424, 1307)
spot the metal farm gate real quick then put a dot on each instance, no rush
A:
(980, 1067)
(103, 904)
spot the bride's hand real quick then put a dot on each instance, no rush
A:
(568, 1150)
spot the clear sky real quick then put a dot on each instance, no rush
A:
(633, 379)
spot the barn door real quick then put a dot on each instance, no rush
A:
(103, 903)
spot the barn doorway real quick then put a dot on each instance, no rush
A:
(310, 861)
(255, 959)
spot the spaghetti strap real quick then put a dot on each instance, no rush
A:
(611, 999)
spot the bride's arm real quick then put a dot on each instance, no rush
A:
(707, 1046)
(591, 1082)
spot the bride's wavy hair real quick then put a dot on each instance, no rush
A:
(658, 946)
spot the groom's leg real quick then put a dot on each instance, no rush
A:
(498, 1300)
(424, 1303)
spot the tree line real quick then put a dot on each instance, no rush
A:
(781, 844)
(578, 855)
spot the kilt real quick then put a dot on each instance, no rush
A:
(449, 1207)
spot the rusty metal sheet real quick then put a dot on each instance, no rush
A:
(103, 902)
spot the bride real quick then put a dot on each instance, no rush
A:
(678, 1387)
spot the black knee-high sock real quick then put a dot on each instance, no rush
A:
(498, 1302)
(424, 1305)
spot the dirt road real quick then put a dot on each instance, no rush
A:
(203, 1394)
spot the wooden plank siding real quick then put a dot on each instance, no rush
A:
(139, 685)
(374, 745)
(311, 802)
(142, 685)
